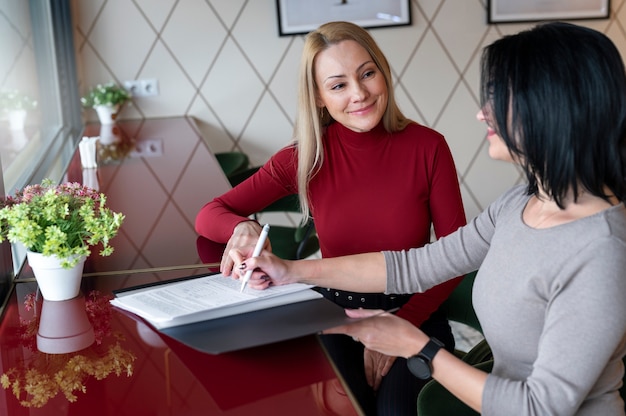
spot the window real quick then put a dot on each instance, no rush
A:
(38, 65)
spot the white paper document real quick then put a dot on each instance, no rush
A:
(204, 298)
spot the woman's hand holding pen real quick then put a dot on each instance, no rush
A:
(245, 234)
(268, 268)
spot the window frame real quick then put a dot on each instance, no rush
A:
(61, 122)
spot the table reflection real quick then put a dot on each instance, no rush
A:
(67, 343)
(160, 185)
(113, 146)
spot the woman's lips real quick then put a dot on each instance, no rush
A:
(362, 110)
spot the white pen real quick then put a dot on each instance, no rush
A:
(257, 250)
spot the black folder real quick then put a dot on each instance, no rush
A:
(255, 328)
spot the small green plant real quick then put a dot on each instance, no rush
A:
(15, 100)
(105, 94)
(62, 220)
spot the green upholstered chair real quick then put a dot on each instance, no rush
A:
(288, 242)
(232, 163)
(434, 399)
(291, 242)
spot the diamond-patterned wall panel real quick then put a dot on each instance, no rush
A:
(272, 128)
(460, 40)
(233, 89)
(176, 90)
(285, 80)
(194, 35)
(223, 62)
(121, 37)
(427, 95)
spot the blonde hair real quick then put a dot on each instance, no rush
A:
(311, 120)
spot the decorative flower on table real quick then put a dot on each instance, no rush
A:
(43, 376)
(62, 220)
(105, 94)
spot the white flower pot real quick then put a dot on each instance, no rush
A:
(64, 327)
(17, 119)
(107, 113)
(55, 282)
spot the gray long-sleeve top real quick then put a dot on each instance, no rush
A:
(551, 302)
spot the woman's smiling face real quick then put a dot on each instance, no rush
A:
(350, 86)
(498, 150)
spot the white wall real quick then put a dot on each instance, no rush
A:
(223, 62)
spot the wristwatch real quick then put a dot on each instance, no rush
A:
(419, 364)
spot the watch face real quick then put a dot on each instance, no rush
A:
(419, 367)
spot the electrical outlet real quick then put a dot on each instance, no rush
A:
(142, 87)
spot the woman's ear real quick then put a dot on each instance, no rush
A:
(318, 100)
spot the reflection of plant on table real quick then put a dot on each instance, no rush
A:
(62, 220)
(43, 376)
(115, 151)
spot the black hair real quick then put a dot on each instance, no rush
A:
(557, 96)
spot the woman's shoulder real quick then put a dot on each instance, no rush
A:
(511, 200)
(287, 154)
(422, 137)
(517, 194)
(413, 128)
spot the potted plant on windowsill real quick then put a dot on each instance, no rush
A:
(16, 105)
(58, 225)
(107, 99)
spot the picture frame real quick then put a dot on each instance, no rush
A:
(296, 17)
(513, 11)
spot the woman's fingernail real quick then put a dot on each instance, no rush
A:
(242, 266)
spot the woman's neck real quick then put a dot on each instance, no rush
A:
(543, 212)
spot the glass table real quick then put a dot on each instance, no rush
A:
(82, 356)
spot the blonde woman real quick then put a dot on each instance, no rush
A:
(371, 179)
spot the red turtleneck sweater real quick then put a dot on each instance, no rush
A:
(375, 191)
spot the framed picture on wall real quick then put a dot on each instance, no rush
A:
(509, 11)
(297, 17)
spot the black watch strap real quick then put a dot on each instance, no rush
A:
(431, 348)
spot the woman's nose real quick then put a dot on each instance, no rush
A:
(480, 116)
(359, 92)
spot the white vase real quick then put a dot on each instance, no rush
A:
(17, 119)
(54, 281)
(107, 113)
(64, 327)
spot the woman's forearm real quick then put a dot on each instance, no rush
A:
(357, 273)
(459, 378)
